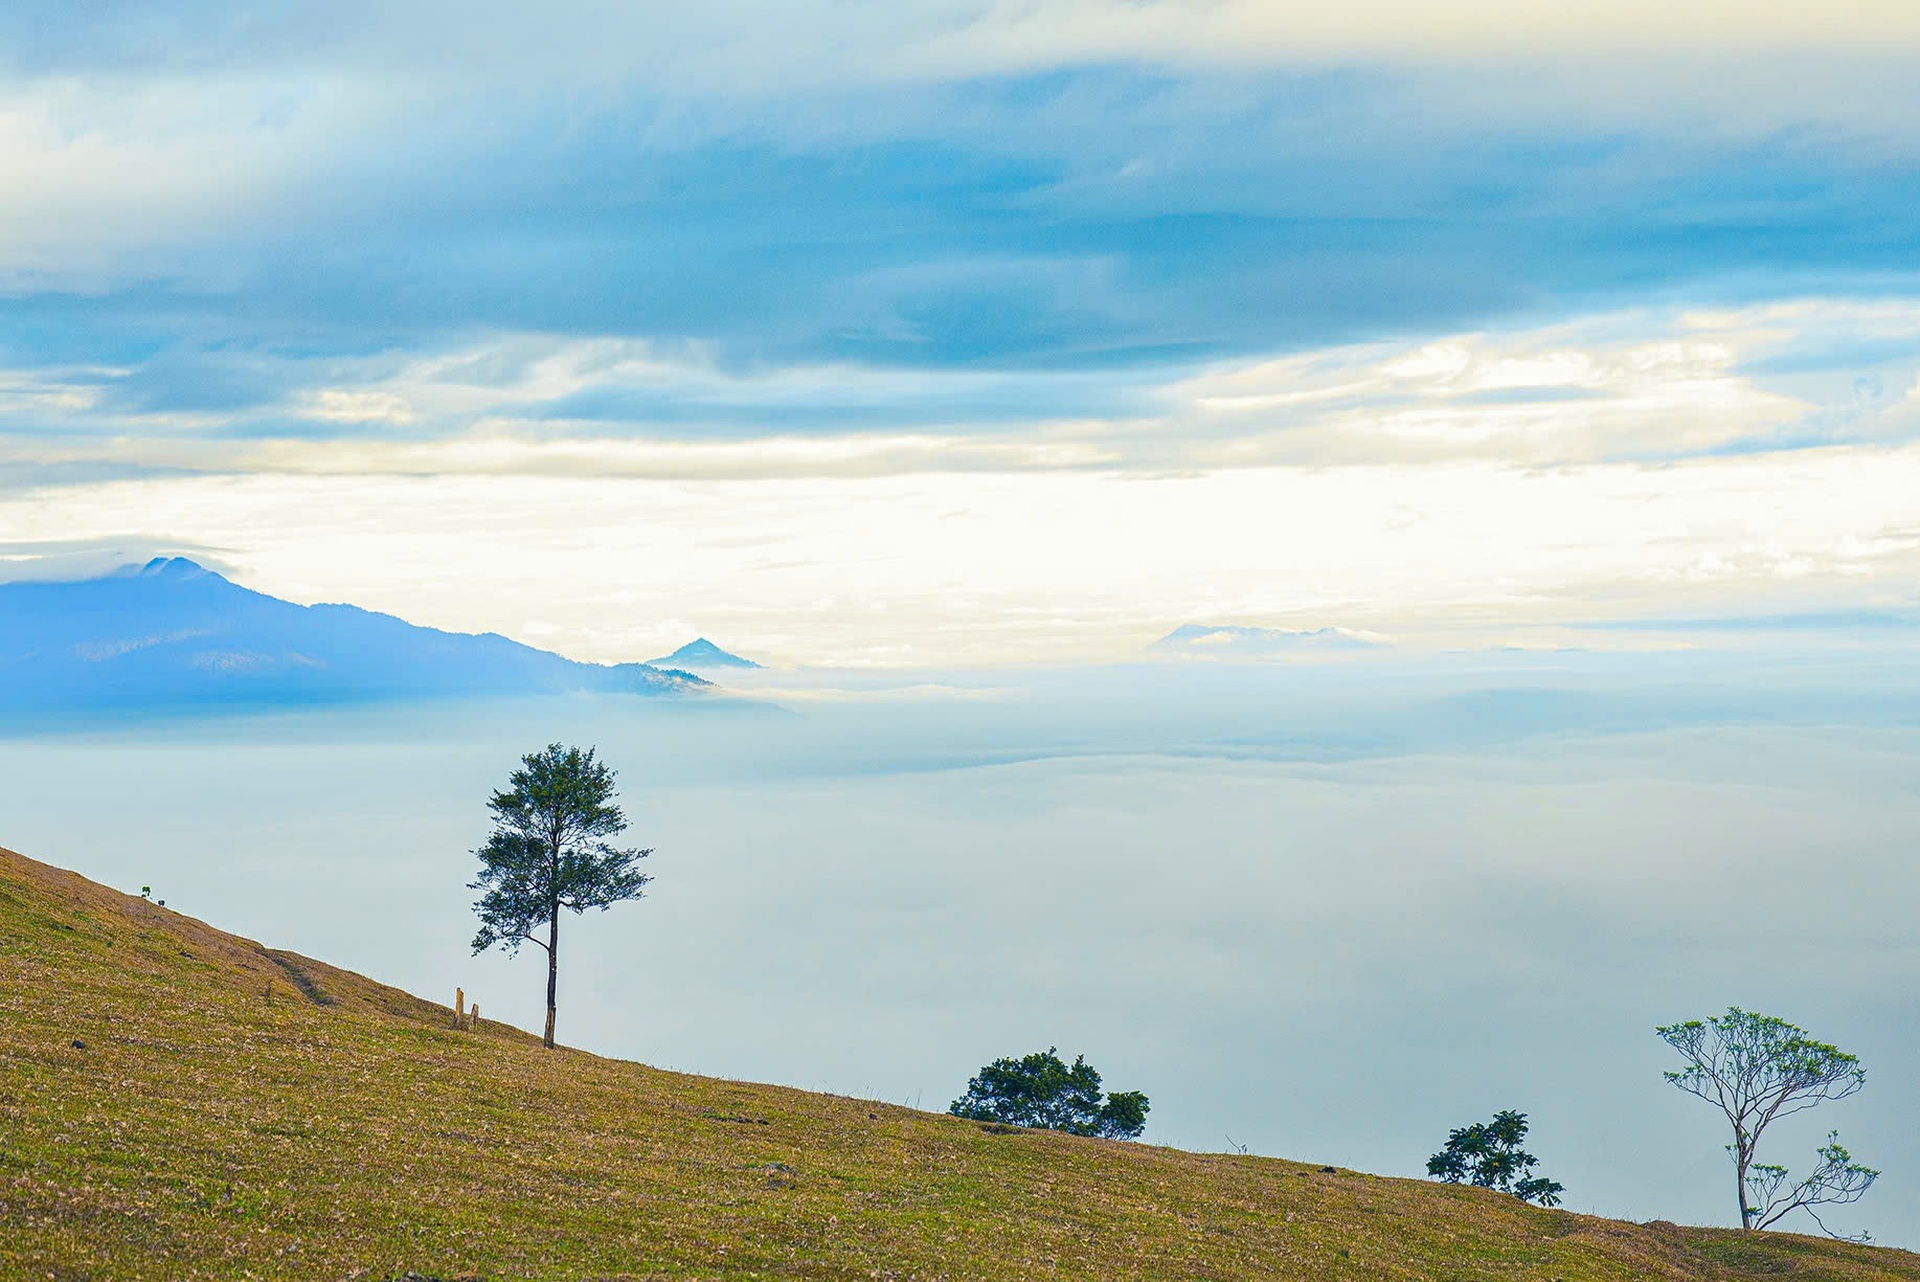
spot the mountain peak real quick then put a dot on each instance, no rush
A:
(701, 653)
(171, 567)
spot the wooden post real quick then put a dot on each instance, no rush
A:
(474, 1020)
(459, 1004)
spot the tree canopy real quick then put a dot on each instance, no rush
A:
(1041, 1090)
(549, 851)
(1757, 1069)
(1488, 1155)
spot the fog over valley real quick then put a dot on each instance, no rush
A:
(1328, 909)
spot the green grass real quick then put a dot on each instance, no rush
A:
(236, 1112)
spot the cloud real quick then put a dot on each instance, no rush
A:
(285, 188)
(738, 43)
(1645, 384)
(942, 250)
(998, 566)
(100, 169)
(337, 405)
(59, 560)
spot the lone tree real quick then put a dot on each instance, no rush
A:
(1040, 1090)
(1488, 1155)
(549, 850)
(1756, 1069)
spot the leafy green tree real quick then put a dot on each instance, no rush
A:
(550, 850)
(1041, 1090)
(1757, 1069)
(1488, 1155)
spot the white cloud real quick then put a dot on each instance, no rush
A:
(100, 168)
(336, 405)
(184, 137)
(1645, 385)
(1489, 486)
(745, 44)
(1635, 385)
(43, 392)
(953, 567)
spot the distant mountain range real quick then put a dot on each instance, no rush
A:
(701, 653)
(1229, 641)
(174, 635)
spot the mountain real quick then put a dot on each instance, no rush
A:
(181, 1102)
(1229, 641)
(174, 635)
(702, 653)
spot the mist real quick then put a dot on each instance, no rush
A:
(1325, 910)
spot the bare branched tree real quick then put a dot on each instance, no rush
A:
(1757, 1069)
(1837, 1179)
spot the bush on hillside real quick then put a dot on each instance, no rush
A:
(1042, 1091)
(1488, 1155)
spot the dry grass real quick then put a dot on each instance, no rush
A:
(159, 1118)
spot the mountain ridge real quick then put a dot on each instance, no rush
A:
(172, 635)
(1240, 641)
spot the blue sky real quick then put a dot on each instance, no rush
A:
(813, 240)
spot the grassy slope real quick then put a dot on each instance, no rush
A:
(345, 1130)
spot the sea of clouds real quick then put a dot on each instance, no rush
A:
(1328, 909)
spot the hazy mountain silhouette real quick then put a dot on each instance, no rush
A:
(173, 635)
(702, 653)
(1230, 641)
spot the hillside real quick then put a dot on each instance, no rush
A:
(178, 1102)
(172, 635)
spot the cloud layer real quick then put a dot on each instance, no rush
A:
(1644, 385)
(946, 568)
(793, 248)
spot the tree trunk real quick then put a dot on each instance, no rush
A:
(1742, 1155)
(553, 977)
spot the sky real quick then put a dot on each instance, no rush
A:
(969, 332)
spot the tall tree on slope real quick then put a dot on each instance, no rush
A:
(550, 850)
(1757, 1069)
